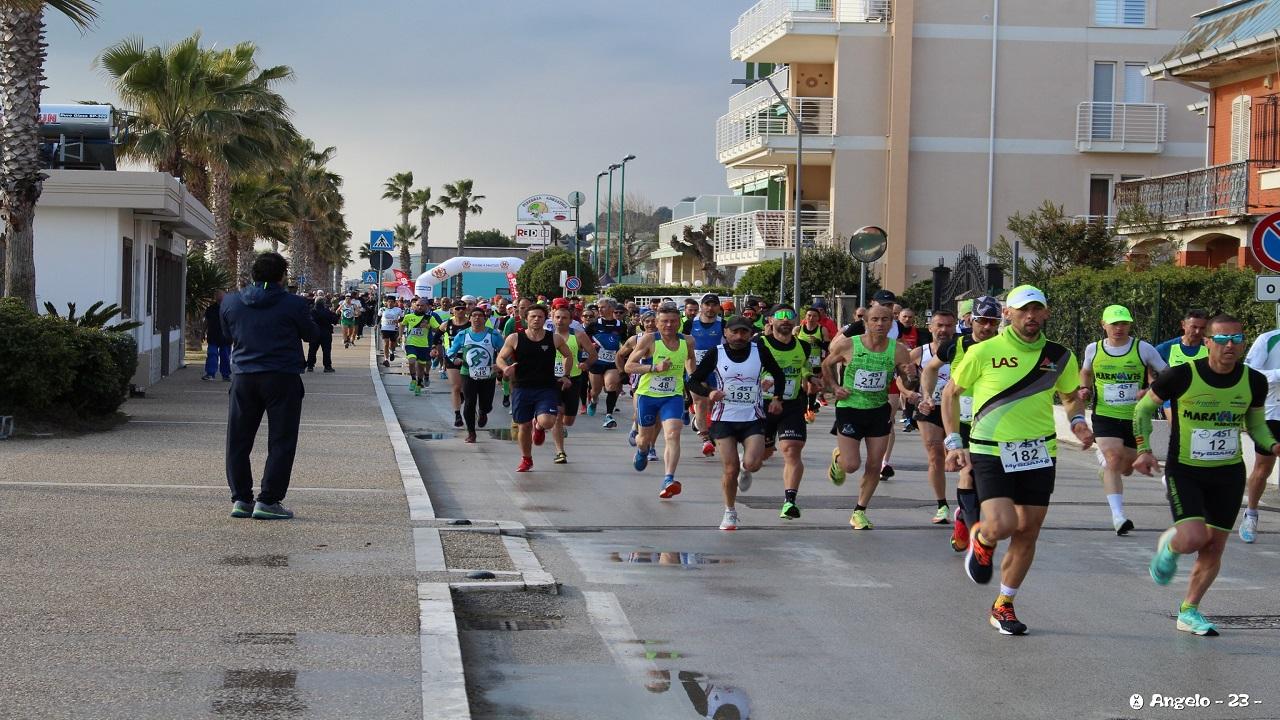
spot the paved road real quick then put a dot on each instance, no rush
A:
(663, 616)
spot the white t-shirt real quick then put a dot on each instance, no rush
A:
(352, 306)
(1146, 352)
(1264, 356)
(391, 317)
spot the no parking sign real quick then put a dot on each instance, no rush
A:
(1264, 241)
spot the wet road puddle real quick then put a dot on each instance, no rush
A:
(256, 560)
(430, 436)
(257, 693)
(501, 434)
(682, 559)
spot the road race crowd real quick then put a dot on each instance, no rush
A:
(978, 386)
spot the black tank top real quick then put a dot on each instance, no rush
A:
(535, 362)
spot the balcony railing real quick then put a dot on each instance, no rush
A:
(1121, 127)
(768, 19)
(748, 238)
(747, 129)
(1229, 189)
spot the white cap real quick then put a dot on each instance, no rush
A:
(1024, 295)
(468, 298)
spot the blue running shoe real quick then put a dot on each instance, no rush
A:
(591, 410)
(1164, 564)
(641, 460)
(1190, 620)
(631, 437)
(653, 454)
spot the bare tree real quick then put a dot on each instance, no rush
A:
(700, 244)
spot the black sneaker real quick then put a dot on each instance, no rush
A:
(206, 377)
(386, 363)
(241, 509)
(329, 370)
(1003, 619)
(886, 472)
(1123, 528)
(978, 559)
(310, 369)
(506, 401)
(457, 420)
(482, 420)
(274, 511)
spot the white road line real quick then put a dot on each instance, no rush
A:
(420, 507)
(615, 630)
(224, 422)
(219, 488)
(444, 686)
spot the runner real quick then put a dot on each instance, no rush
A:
(942, 326)
(788, 429)
(985, 313)
(475, 350)
(690, 312)
(1186, 347)
(662, 360)
(349, 312)
(390, 316)
(1114, 374)
(648, 326)
(736, 413)
(818, 337)
(1265, 358)
(883, 298)
(419, 330)
(456, 325)
(608, 332)
(1212, 399)
(528, 359)
(865, 364)
(582, 355)
(707, 331)
(1014, 441)
(913, 337)
(513, 324)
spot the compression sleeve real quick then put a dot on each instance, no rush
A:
(1255, 421)
(1142, 414)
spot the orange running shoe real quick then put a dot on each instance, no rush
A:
(526, 464)
(1005, 620)
(959, 532)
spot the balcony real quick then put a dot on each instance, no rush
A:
(1121, 127)
(1225, 190)
(753, 237)
(799, 30)
(764, 135)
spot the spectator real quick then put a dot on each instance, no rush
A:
(324, 318)
(219, 357)
(266, 327)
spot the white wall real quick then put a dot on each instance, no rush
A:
(77, 254)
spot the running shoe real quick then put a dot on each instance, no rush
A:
(241, 509)
(426, 380)
(470, 439)
(858, 520)
(730, 521)
(506, 401)
(940, 517)
(810, 416)
(457, 422)
(444, 375)
(271, 511)
(631, 437)
(386, 363)
(670, 487)
(822, 400)
(591, 410)
(413, 386)
(482, 420)
(582, 410)
(790, 511)
(978, 558)
(1249, 528)
(561, 458)
(653, 454)
(708, 448)
(1164, 564)
(959, 532)
(609, 422)
(744, 478)
(417, 391)
(1190, 620)
(1005, 620)
(539, 435)
(835, 472)
(1122, 526)
(526, 464)
(886, 472)
(641, 460)
(909, 427)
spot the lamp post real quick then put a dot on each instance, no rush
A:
(595, 227)
(622, 217)
(609, 218)
(795, 287)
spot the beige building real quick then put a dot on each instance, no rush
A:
(938, 119)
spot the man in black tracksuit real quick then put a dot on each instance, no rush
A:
(324, 319)
(266, 326)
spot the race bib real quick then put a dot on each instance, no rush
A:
(1215, 444)
(742, 394)
(870, 379)
(1024, 455)
(347, 313)
(662, 383)
(559, 367)
(789, 389)
(1120, 394)
(606, 356)
(966, 408)
(815, 361)
(416, 332)
(480, 372)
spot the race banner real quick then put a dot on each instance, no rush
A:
(511, 285)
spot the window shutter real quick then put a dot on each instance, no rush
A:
(1240, 108)
(1135, 12)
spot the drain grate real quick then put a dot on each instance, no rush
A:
(508, 624)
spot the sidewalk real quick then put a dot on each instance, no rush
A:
(129, 592)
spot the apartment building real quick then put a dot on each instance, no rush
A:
(676, 266)
(1209, 212)
(938, 119)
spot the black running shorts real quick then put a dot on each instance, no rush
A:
(1026, 487)
(1209, 494)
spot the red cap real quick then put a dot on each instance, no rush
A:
(559, 303)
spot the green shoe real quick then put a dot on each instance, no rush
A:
(274, 511)
(790, 511)
(241, 509)
(942, 516)
(835, 473)
(1165, 562)
(1190, 620)
(417, 391)
(859, 520)
(413, 386)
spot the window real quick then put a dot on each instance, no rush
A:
(1104, 96)
(126, 279)
(1265, 129)
(1123, 13)
(1240, 108)
(1135, 85)
(1099, 196)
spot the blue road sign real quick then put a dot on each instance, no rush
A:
(382, 240)
(369, 277)
(572, 283)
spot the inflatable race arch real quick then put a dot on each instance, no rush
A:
(453, 266)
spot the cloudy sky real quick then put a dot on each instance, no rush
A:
(523, 97)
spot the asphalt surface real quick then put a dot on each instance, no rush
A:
(128, 592)
(661, 615)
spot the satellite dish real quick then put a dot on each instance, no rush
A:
(868, 244)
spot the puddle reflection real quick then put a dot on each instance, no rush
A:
(259, 693)
(684, 559)
(709, 699)
(501, 434)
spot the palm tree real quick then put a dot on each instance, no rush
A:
(404, 234)
(422, 203)
(259, 210)
(458, 195)
(399, 188)
(22, 53)
(315, 203)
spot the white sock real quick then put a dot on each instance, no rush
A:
(729, 509)
(1008, 591)
(1116, 501)
(1251, 513)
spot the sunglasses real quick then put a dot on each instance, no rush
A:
(985, 321)
(784, 315)
(1238, 339)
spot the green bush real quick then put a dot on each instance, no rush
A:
(623, 293)
(824, 271)
(918, 297)
(95, 377)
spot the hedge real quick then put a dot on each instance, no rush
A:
(53, 367)
(623, 293)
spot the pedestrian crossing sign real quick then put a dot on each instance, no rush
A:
(381, 240)
(369, 277)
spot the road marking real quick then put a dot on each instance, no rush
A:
(420, 507)
(611, 623)
(220, 488)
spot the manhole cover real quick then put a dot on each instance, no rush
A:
(836, 502)
(430, 436)
(508, 624)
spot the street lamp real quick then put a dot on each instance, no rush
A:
(622, 218)
(595, 227)
(609, 218)
(795, 287)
